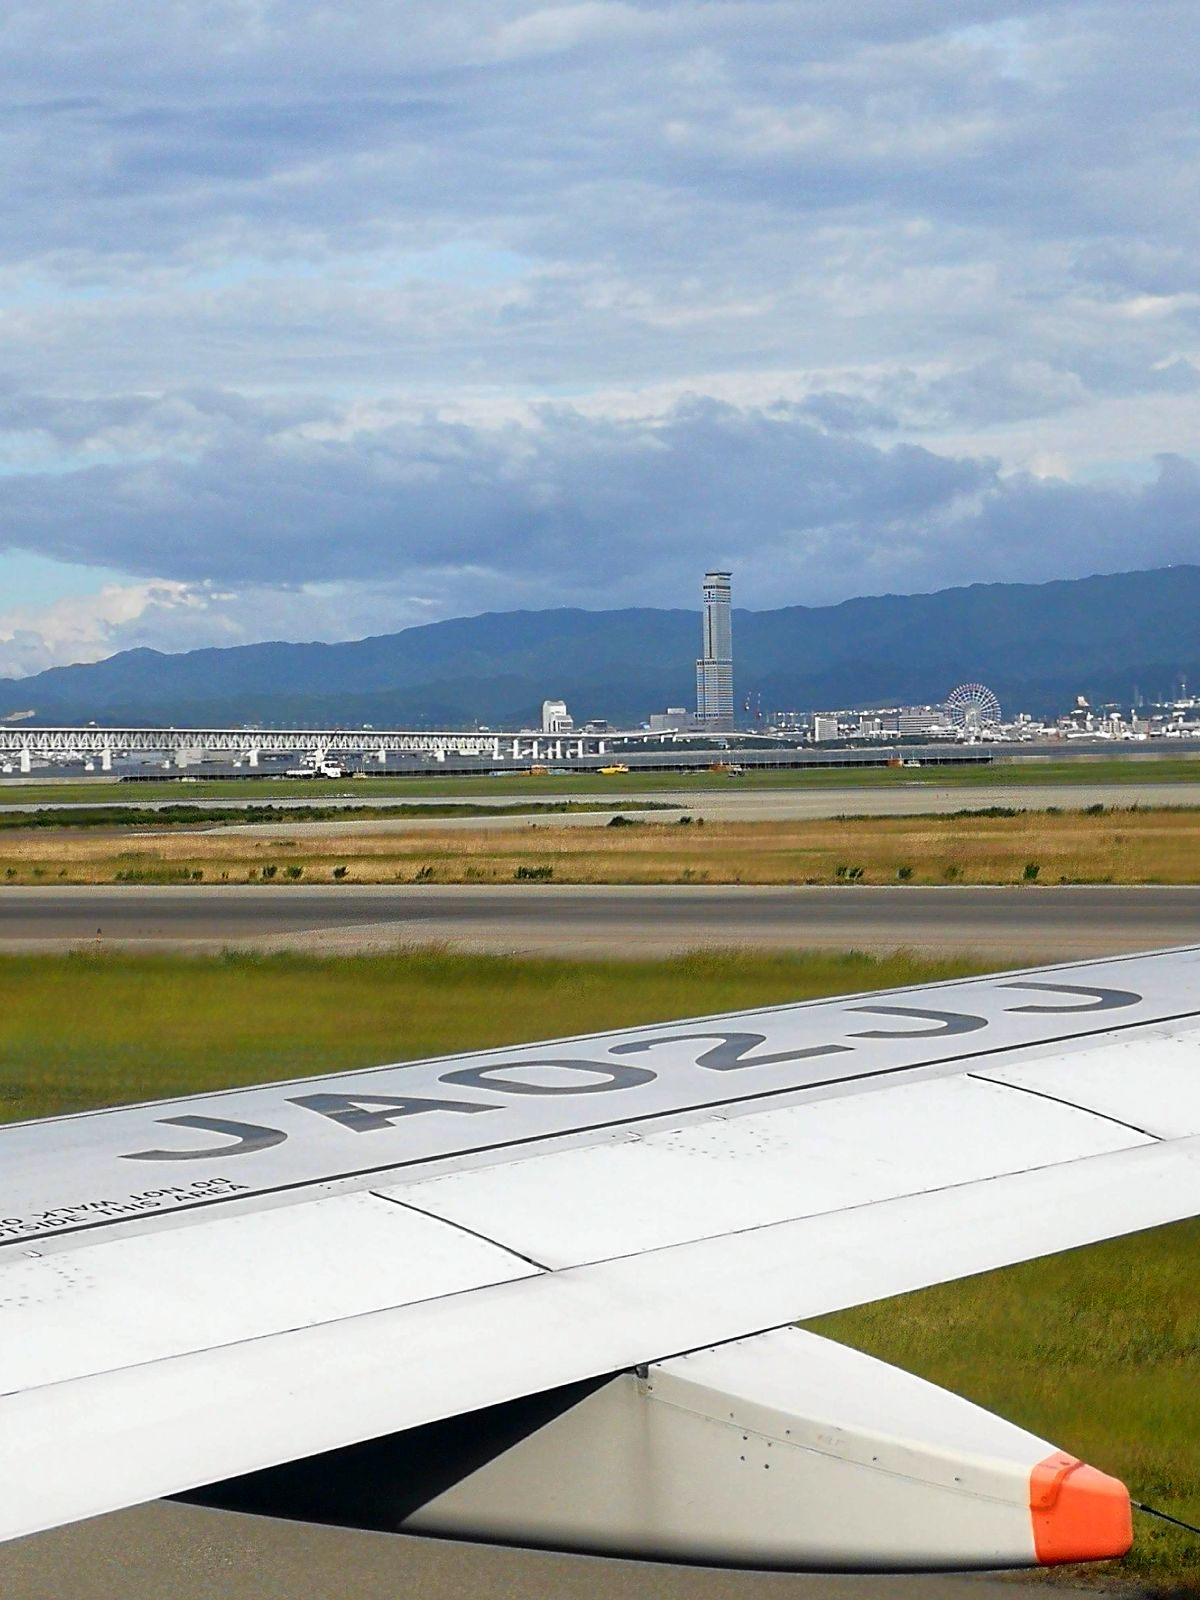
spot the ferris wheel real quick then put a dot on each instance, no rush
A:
(972, 705)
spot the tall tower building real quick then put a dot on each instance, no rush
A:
(714, 669)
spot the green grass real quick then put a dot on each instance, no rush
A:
(153, 1026)
(1115, 769)
(1095, 1349)
(191, 816)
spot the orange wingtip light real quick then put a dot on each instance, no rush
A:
(1078, 1514)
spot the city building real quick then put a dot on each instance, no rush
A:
(714, 669)
(555, 718)
(824, 728)
(917, 722)
(675, 719)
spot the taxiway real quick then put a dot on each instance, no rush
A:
(192, 1554)
(1032, 922)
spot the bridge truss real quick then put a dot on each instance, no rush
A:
(185, 745)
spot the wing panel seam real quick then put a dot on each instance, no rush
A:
(1060, 1100)
(462, 1227)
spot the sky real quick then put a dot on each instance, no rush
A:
(324, 320)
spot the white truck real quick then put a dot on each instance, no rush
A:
(317, 769)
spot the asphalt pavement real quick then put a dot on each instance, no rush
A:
(733, 802)
(1033, 921)
(185, 1553)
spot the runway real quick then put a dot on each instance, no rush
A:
(735, 803)
(1037, 923)
(189, 1554)
(751, 805)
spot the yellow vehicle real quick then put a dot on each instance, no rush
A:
(614, 770)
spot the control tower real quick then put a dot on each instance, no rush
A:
(714, 669)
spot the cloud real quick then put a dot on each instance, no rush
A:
(555, 29)
(164, 614)
(555, 501)
(524, 302)
(89, 627)
(284, 194)
(279, 517)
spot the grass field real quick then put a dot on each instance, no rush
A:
(150, 1030)
(1115, 769)
(998, 846)
(1096, 1349)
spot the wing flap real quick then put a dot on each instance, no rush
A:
(143, 1432)
(129, 1302)
(731, 1174)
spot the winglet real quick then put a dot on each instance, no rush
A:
(1079, 1514)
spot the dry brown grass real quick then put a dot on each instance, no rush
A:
(1129, 846)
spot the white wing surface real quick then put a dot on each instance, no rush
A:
(195, 1290)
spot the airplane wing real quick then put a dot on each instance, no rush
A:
(542, 1295)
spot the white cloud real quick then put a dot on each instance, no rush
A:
(91, 626)
(301, 297)
(570, 27)
(163, 614)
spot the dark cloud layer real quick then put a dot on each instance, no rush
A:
(572, 507)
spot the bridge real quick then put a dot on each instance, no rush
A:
(20, 746)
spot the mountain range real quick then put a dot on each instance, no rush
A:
(1035, 645)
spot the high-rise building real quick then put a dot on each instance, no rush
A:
(714, 669)
(555, 717)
